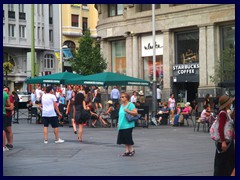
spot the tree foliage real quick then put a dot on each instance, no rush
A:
(225, 67)
(7, 67)
(88, 59)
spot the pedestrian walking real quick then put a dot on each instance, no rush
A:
(49, 116)
(6, 102)
(80, 113)
(9, 115)
(125, 128)
(224, 161)
(171, 105)
(70, 110)
(115, 95)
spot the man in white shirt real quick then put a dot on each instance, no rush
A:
(49, 116)
(38, 93)
(115, 94)
(159, 95)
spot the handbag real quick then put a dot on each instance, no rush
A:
(228, 129)
(131, 118)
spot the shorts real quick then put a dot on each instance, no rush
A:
(172, 108)
(7, 121)
(97, 100)
(50, 120)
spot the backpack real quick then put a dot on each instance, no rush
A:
(228, 129)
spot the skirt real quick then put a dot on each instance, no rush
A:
(125, 136)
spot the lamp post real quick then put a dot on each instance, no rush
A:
(154, 84)
(60, 64)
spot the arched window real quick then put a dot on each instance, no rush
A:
(71, 45)
(48, 61)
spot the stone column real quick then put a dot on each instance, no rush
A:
(202, 56)
(135, 57)
(129, 59)
(207, 60)
(167, 63)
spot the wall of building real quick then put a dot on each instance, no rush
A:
(204, 18)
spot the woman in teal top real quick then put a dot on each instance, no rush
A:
(124, 127)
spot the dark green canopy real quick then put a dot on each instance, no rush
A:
(58, 78)
(108, 79)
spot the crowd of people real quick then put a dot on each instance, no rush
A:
(84, 103)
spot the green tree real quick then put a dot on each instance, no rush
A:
(88, 59)
(225, 68)
(7, 68)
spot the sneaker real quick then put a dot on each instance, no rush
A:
(45, 141)
(5, 149)
(59, 141)
(9, 146)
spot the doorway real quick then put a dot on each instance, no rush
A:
(185, 91)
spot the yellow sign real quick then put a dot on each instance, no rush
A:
(57, 55)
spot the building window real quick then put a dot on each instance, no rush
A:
(11, 12)
(51, 35)
(187, 47)
(71, 45)
(38, 34)
(42, 34)
(50, 14)
(21, 12)
(85, 7)
(75, 20)
(48, 61)
(42, 9)
(148, 7)
(22, 31)
(119, 57)
(21, 8)
(115, 9)
(11, 30)
(10, 7)
(84, 23)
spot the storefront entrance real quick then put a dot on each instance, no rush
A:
(185, 91)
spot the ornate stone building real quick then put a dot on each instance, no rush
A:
(189, 41)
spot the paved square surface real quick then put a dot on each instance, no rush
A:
(160, 151)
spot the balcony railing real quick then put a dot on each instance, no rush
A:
(11, 14)
(22, 15)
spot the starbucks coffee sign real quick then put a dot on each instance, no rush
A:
(184, 69)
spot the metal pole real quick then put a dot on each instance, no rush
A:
(32, 43)
(60, 39)
(154, 84)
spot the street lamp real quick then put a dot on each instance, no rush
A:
(154, 84)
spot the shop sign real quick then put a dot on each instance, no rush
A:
(184, 69)
(147, 45)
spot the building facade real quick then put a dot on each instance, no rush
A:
(76, 18)
(189, 41)
(17, 41)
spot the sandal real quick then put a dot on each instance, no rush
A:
(131, 153)
(125, 154)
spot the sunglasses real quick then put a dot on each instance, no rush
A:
(122, 96)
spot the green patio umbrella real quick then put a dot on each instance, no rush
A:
(108, 79)
(58, 78)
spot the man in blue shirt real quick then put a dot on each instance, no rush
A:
(115, 94)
